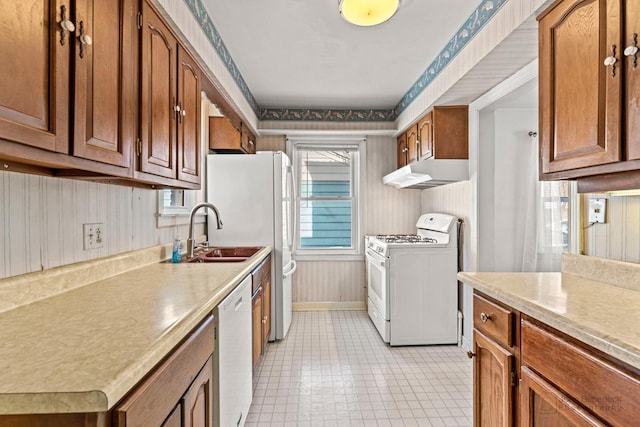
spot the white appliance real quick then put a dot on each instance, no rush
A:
(427, 173)
(412, 284)
(232, 363)
(254, 196)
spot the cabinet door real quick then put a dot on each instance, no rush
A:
(175, 418)
(266, 307)
(632, 90)
(402, 150)
(493, 394)
(188, 118)
(412, 144)
(580, 98)
(198, 400)
(425, 136)
(104, 90)
(542, 405)
(256, 330)
(158, 96)
(34, 89)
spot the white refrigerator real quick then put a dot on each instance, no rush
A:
(254, 194)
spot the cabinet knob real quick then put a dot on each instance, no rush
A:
(65, 25)
(68, 26)
(86, 39)
(484, 317)
(632, 51)
(610, 61)
(470, 354)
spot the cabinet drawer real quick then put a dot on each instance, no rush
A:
(493, 320)
(603, 388)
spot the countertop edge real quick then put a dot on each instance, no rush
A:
(607, 344)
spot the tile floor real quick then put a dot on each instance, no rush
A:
(334, 370)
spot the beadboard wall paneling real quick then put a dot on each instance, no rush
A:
(329, 281)
(42, 221)
(191, 34)
(387, 210)
(453, 199)
(619, 237)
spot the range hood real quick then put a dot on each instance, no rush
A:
(429, 173)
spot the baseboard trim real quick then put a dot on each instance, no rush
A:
(467, 344)
(329, 306)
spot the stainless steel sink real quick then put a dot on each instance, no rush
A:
(224, 254)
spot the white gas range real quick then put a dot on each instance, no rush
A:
(412, 284)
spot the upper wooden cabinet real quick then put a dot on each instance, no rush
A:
(442, 133)
(169, 105)
(412, 144)
(402, 153)
(104, 81)
(35, 69)
(589, 88)
(225, 137)
(54, 54)
(425, 136)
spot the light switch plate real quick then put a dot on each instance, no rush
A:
(597, 211)
(93, 235)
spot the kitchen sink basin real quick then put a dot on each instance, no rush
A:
(225, 254)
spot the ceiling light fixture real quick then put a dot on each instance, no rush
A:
(366, 13)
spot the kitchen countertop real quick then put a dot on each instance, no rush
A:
(83, 349)
(597, 313)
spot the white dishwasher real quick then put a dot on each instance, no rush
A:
(232, 370)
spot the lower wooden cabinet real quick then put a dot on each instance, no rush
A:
(495, 363)
(545, 405)
(493, 386)
(545, 378)
(261, 308)
(182, 383)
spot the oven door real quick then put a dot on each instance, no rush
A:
(378, 282)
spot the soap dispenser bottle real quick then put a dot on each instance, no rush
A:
(176, 252)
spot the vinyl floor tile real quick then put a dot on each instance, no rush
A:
(334, 370)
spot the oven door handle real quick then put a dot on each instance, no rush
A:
(375, 258)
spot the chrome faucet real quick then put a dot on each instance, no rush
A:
(190, 242)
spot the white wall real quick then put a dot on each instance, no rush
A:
(504, 187)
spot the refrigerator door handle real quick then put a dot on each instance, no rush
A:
(292, 225)
(293, 268)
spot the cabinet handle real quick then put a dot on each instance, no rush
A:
(610, 61)
(264, 320)
(470, 354)
(85, 39)
(176, 109)
(484, 317)
(632, 50)
(65, 25)
(181, 114)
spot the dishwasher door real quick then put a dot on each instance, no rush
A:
(232, 364)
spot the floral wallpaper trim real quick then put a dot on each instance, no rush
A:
(327, 115)
(483, 13)
(200, 13)
(470, 28)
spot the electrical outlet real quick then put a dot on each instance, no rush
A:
(93, 235)
(597, 211)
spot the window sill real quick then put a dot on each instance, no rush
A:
(328, 257)
(173, 219)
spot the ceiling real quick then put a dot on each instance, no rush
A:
(302, 54)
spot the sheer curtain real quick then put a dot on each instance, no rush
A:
(546, 218)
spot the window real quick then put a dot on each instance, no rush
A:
(328, 202)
